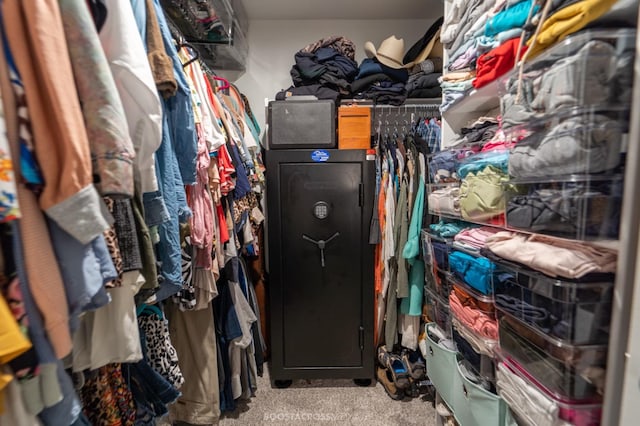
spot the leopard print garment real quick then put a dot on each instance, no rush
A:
(107, 399)
(161, 354)
(246, 203)
(111, 239)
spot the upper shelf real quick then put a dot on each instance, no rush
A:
(217, 27)
(477, 101)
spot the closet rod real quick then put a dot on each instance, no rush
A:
(407, 107)
(416, 102)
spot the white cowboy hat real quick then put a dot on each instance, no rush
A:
(389, 53)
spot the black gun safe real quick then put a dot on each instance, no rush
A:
(321, 283)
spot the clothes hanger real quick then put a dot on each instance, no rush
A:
(226, 84)
(149, 308)
(194, 52)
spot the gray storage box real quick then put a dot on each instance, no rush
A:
(302, 124)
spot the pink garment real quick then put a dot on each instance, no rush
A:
(467, 151)
(552, 256)
(497, 145)
(474, 319)
(202, 221)
(475, 237)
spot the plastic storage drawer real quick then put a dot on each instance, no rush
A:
(441, 252)
(436, 250)
(442, 285)
(585, 207)
(442, 368)
(577, 313)
(427, 254)
(471, 297)
(534, 405)
(481, 344)
(482, 364)
(481, 324)
(444, 199)
(441, 312)
(576, 142)
(589, 68)
(570, 372)
(475, 271)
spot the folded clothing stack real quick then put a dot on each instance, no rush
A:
(474, 238)
(568, 209)
(424, 79)
(454, 86)
(531, 404)
(476, 320)
(482, 130)
(325, 69)
(445, 201)
(488, 36)
(484, 36)
(380, 82)
(482, 195)
(551, 256)
(594, 73)
(476, 272)
(447, 229)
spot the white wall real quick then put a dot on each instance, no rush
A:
(273, 44)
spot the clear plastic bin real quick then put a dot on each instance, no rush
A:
(590, 68)
(534, 405)
(573, 312)
(441, 311)
(471, 297)
(569, 372)
(481, 364)
(437, 250)
(584, 207)
(576, 142)
(480, 344)
(444, 199)
(426, 247)
(481, 195)
(474, 270)
(444, 166)
(438, 284)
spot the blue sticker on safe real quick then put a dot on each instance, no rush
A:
(320, 155)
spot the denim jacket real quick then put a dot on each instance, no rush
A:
(179, 110)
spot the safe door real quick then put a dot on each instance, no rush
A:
(320, 263)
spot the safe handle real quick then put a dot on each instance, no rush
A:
(321, 244)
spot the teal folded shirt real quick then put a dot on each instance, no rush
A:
(512, 17)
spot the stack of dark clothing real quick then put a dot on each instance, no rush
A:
(380, 83)
(324, 69)
(481, 131)
(423, 79)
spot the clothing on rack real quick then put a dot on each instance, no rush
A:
(151, 158)
(398, 218)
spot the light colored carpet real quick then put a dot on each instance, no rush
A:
(329, 402)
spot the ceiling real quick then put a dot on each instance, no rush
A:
(343, 9)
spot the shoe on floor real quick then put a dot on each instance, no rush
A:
(415, 364)
(395, 365)
(385, 379)
(442, 410)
